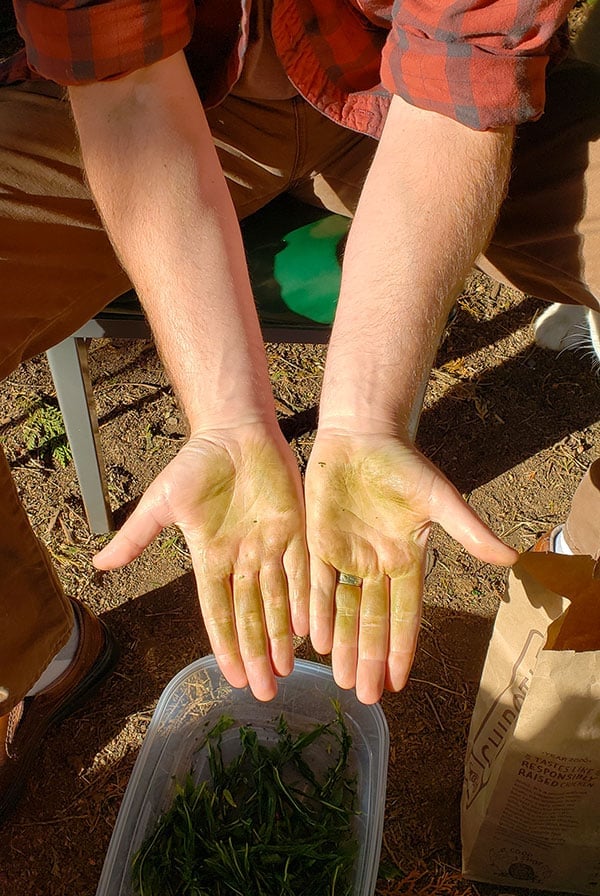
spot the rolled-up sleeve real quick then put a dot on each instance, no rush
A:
(73, 42)
(481, 63)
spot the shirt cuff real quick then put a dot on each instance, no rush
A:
(473, 85)
(101, 41)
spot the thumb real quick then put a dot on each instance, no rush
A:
(142, 527)
(451, 511)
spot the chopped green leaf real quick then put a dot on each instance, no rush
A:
(265, 824)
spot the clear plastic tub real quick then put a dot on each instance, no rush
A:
(193, 702)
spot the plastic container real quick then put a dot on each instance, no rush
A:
(193, 702)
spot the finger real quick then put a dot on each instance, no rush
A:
(321, 604)
(373, 639)
(137, 532)
(217, 611)
(406, 595)
(451, 511)
(345, 634)
(295, 562)
(252, 635)
(274, 591)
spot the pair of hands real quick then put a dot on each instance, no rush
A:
(266, 568)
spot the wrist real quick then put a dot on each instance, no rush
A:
(370, 394)
(244, 438)
(222, 393)
(349, 425)
(373, 415)
(230, 420)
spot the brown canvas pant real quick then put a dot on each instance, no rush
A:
(58, 268)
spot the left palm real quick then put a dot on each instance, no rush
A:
(370, 501)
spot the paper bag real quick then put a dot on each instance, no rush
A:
(530, 812)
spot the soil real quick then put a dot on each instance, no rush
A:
(512, 425)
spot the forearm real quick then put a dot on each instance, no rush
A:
(157, 182)
(425, 213)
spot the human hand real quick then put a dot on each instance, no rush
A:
(370, 500)
(236, 495)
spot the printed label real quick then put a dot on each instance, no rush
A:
(499, 721)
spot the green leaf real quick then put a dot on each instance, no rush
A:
(264, 824)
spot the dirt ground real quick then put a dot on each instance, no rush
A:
(513, 426)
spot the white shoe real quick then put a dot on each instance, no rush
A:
(569, 327)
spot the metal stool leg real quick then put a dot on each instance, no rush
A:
(69, 367)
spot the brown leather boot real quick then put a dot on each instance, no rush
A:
(23, 728)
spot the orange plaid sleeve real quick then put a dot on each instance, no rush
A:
(78, 41)
(483, 64)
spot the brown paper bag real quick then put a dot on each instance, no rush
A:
(530, 812)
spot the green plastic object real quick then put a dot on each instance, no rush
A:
(294, 252)
(307, 268)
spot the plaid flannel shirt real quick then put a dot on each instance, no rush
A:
(481, 62)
